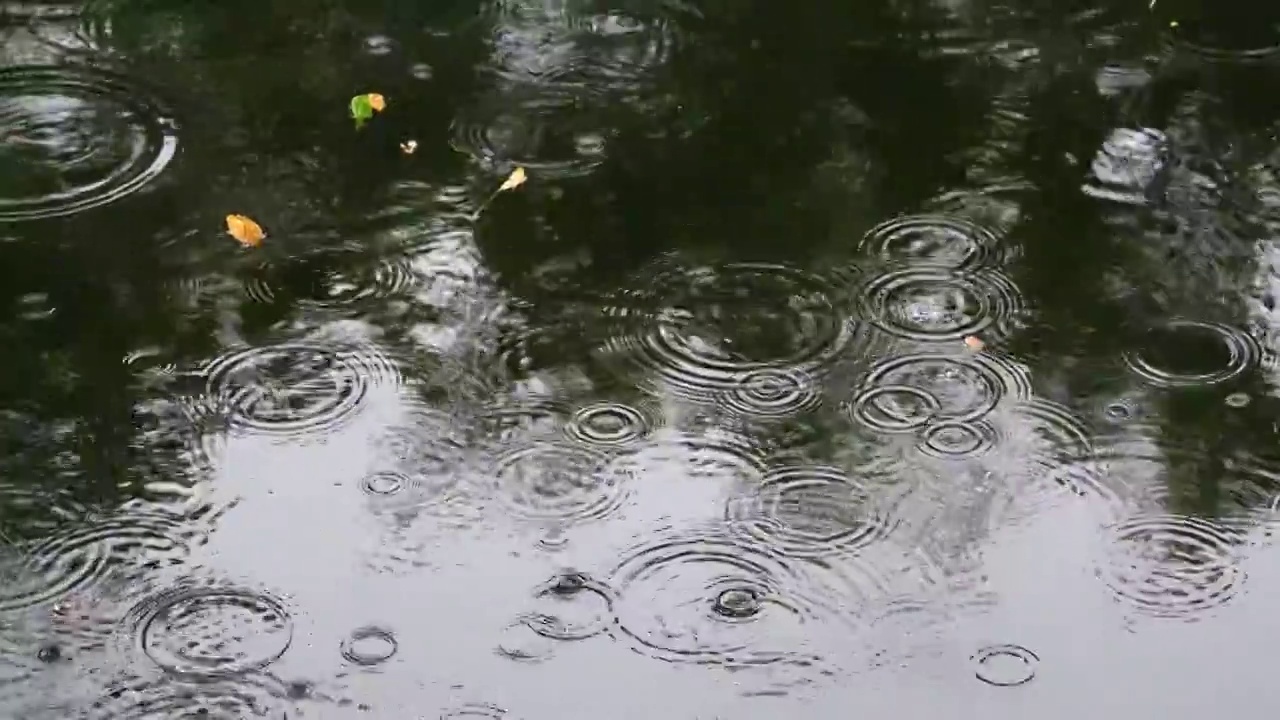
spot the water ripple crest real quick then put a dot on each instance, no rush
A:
(1171, 566)
(699, 596)
(80, 139)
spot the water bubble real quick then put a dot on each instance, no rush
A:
(941, 304)
(809, 511)
(1238, 400)
(699, 597)
(1005, 665)
(295, 388)
(933, 239)
(1171, 566)
(772, 393)
(702, 330)
(379, 45)
(954, 439)
(1184, 353)
(369, 645)
(608, 425)
(961, 387)
(561, 483)
(571, 606)
(77, 139)
(202, 630)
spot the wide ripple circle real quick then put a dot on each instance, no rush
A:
(76, 139)
(701, 597)
(707, 330)
(211, 631)
(294, 388)
(1171, 566)
(1184, 353)
(938, 303)
(808, 511)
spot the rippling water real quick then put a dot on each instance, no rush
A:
(878, 360)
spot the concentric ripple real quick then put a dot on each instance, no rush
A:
(956, 439)
(139, 699)
(545, 130)
(294, 388)
(904, 393)
(553, 482)
(772, 393)
(934, 304)
(700, 597)
(1171, 566)
(809, 511)
(202, 630)
(475, 711)
(610, 425)
(1185, 353)
(571, 606)
(1240, 38)
(77, 139)
(49, 570)
(935, 240)
(702, 330)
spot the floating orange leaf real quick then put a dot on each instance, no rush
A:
(514, 180)
(376, 101)
(974, 343)
(245, 230)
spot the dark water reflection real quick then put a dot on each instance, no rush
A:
(881, 359)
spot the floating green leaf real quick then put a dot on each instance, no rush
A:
(364, 106)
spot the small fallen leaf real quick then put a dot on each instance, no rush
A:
(363, 107)
(514, 180)
(974, 343)
(408, 146)
(245, 230)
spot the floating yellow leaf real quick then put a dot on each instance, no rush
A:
(974, 343)
(245, 230)
(514, 180)
(376, 101)
(408, 146)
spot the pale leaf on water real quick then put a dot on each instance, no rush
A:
(514, 180)
(245, 230)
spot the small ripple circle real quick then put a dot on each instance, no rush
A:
(933, 239)
(894, 408)
(956, 439)
(571, 606)
(211, 631)
(1005, 665)
(771, 393)
(369, 645)
(610, 424)
(78, 138)
(964, 386)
